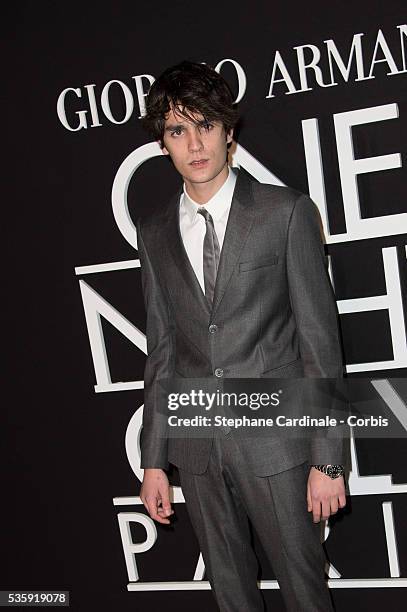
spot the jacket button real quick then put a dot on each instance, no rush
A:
(219, 372)
(213, 329)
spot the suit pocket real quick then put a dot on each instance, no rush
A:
(291, 369)
(245, 266)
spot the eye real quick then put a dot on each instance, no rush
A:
(207, 126)
(176, 131)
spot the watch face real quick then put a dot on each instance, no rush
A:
(335, 471)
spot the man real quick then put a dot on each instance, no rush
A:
(235, 285)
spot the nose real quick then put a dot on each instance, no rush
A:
(195, 141)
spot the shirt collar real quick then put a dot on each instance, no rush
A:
(219, 203)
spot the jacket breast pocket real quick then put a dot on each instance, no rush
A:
(254, 264)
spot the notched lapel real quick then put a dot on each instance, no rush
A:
(237, 230)
(180, 257)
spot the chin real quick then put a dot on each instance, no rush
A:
(204, 175)
(203, 179)
(198, 177)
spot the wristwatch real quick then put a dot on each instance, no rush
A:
(333, 471)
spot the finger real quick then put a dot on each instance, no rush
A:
(152, 508)
(143, 499)
(160, 519)
(326, 510)
(342, 501)
(145, 504)
(334, 505)
(309, 501)
(166, 505)
(163, 512)
(151, 505)
(316, 511)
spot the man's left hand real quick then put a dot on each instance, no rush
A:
(324, 495)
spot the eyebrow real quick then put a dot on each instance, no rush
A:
(171, 127)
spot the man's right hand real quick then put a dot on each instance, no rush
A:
(155, 495)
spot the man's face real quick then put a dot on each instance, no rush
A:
(198, 151)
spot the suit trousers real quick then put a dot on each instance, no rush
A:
(222, 501)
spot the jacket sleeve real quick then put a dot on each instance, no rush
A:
(314, 308)
(154, 441)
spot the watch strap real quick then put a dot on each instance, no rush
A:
(331, 470)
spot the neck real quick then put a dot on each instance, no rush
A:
(203, 192)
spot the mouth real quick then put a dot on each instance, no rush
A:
(199, 163)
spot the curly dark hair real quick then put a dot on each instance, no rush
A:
(189, 88)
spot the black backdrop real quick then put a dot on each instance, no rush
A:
(65, 459)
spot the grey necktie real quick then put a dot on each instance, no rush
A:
(211, 255)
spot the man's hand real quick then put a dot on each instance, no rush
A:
(324, 495)
(155, 495)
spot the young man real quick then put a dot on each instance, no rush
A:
(235, 285)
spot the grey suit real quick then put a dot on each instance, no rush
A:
(273, 315)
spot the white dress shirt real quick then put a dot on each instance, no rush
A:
(193, 226)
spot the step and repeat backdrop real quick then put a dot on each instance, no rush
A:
(322, 92)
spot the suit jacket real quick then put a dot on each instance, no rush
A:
(274, 312)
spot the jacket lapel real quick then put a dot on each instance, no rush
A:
(180, 256)
(237, 230)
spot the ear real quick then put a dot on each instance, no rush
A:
(162, 147)
(229, 136)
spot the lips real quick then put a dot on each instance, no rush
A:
(198, 163)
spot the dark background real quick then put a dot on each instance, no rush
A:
(64, 456)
